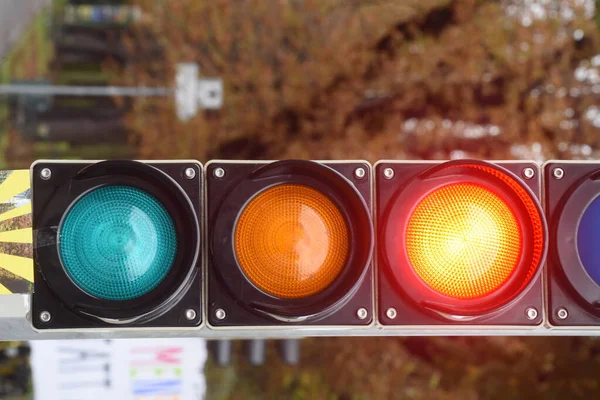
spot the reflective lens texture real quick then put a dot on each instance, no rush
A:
(117, 242)
(463, 240)
(291, 241)
(588, 238)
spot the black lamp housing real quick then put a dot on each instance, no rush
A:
(58, 303)
(573, 297)
(232, 299)
(403, 298)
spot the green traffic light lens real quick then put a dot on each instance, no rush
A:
(117, 242)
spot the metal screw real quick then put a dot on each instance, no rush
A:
(45, 316)
(388, 173)
(528, 173)
(220, 313)
(562, 313)
(558, 173)
(531, 313)
(391, 313)
(45, 173)
(190, 314)
(362, 313)
(219, 173)
(359, 173)
(190, 173)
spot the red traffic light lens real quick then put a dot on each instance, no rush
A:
(462, 237)
(463, 240)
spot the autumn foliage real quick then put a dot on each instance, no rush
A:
(430, 79)
(369, 79)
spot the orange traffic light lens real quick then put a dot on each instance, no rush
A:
(463, 240)
(291, 241)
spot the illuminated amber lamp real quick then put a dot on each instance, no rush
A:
(291, 243)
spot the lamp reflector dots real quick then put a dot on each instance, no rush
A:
(291, 241)
(588, 233)
(117, 242)
(463, 241)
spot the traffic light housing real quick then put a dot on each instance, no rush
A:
(116, 244)
(460, 243)
(285, 247)
(290, 243)
(572, 189)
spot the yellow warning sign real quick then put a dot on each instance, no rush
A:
(16, 250)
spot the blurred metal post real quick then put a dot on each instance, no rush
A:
(191, 93)
(256, 351)
(290, 351)
(61, 90)
(221, 352)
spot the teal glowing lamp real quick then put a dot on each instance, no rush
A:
(117, 242)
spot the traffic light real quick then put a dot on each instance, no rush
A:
(459, 243)
(458, 246)
(116, 244)
(290, 243)
(573, 208)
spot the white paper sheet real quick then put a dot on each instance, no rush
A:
(140, 369)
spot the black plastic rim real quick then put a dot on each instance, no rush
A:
(341, 192)
(571, 208)
(393, 243)
(128, 173)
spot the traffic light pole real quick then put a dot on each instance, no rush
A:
(64, 90)
(191, 92)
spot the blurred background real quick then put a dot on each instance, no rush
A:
(318, 79)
